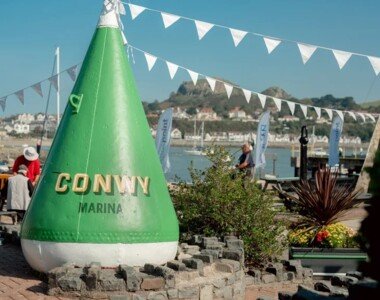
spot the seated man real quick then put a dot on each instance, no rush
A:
(19, 189)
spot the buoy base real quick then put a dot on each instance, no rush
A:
(44, 256)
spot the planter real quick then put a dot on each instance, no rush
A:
(329, 260)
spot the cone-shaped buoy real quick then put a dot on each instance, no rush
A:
(102, 196)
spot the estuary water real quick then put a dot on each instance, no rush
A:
(180, 162)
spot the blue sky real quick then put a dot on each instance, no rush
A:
(30, 30)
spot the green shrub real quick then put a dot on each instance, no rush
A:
(217, 205)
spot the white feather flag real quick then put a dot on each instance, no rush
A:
(362, 116)
(72, 72)
(371, 117)
(352, 115)
(54, 81)
(340, 114)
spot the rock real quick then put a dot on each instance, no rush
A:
(323, 286)
(176, 265)
(69, 283)
(131, 277)
(182, 256)
(288, 276)
(268, 278)
(172, 293)
(194, 263)
(285, 295)
(346, 281)
(151, 283)
(233, 263)
(109, 282)
(356, 274)
(206, 258)
(227, 238)
(307, 273)
(213, 253)
(206, 293)
(249, 280)
(234, 255)
(193, 249)
(276, 269)
(255, 273)
(235, 244)
(188, 293)
(157, 296)
(224, 267)
(209, 241)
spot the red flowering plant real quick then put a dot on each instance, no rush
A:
(321, 204)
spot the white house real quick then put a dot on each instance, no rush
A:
(207, 113)
(21, 128)
(237, 113)
(179, 113)
(25, 118)
(289, 119)
(40, 117)
(176, 134)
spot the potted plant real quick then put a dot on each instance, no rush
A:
(318, 239)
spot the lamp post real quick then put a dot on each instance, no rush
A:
(303, 159)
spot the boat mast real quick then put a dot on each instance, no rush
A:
(57, 54)
(195, 132)
(202, 133)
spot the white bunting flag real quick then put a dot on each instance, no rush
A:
(194, 76)
(237, 36)
(150, 60)
(202, 28)
(211, 82)
(317, 111)
(304, 110)
(121, 8)
(72, 72)
(341, 57)
(371, 117)
(135, 10)
(329, 112)
(172, 69)
(292, 107)
(125, 41)
(169, 19)
(263, 99)
(306, 51)
(278, 103)
(340, 114)
(229, 89)
(54, 81)
(20, 95)
(352, 115)
(37, 88)
(362, 116)
(3, 102)
(271, 44)
(375, 62)
(247, 95)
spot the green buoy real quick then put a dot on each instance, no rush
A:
(102, 196)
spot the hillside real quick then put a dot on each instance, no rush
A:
(369, 104)
(192, 97)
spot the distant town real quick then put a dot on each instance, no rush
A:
(32, 125)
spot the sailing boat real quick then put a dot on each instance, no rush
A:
(197, 150)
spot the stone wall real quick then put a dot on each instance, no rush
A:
(206, 268)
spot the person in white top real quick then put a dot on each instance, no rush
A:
(19, 191)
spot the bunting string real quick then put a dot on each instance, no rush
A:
(173, 68)
(306, 50)
(37, 87)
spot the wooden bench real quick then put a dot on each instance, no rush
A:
(12, 214)
(278, 182)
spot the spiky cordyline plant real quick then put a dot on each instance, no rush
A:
(323, 202)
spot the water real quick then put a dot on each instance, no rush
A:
(180, 162)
